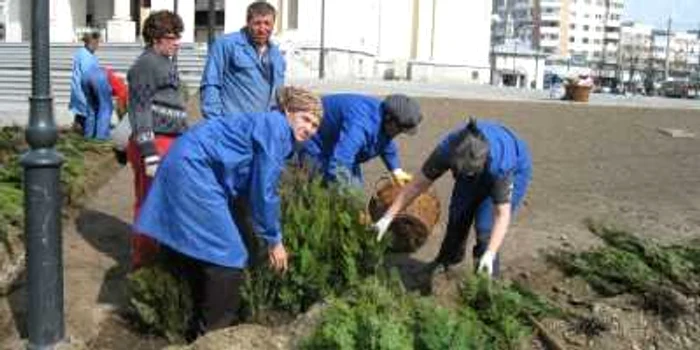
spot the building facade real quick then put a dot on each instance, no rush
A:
(583, 30)
(656, 54)
(409, 39)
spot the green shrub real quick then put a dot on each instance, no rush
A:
(161, 302)
(371, 315)
(658, 275)
(330, 248)
(504, 310)
(377, 314)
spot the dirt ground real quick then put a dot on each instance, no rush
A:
(606, 163)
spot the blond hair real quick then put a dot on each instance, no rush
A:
(296, 99)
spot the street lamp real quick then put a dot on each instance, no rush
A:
(495, 19)
(322, 43)
(211, 22)
(42, 197)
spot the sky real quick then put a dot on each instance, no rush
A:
(685, 14)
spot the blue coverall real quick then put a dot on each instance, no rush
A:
(83, 61)
(237, 80)
(218, 160)
(350, 134)
(508, 160)
(98, 93)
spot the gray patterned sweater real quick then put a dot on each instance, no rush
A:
(155, 103)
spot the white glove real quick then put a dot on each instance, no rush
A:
(382, 226)
(150, 164)
(486, 263)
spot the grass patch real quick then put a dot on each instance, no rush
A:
(74, 176)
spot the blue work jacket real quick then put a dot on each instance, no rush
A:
(187, 207)
(237, 80)
(350, 134)
(83, 61)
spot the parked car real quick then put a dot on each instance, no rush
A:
(675, 89)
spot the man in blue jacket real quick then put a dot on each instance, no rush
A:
(492, 168)
(243, 69)
(83, 61)
(357, 128)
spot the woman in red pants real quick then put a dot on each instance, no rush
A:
(156, 111)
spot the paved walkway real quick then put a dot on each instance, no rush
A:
(17, 113)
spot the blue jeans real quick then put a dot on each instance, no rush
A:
(471, 202)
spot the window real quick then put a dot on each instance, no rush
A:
(596, 41)
(475, 75)
(572, 26)
(572, 39)
(586, 27)
(585, 40)
(293, 15)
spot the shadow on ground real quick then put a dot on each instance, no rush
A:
(109, 235)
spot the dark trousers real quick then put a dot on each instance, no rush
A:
(79, 123)
(471, 202)
(216, 291)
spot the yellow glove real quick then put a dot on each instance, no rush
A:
(401, 177)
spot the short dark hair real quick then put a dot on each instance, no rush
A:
(90, 36)
(260, 8)
(159, 24)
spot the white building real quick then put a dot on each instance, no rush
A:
(517, 65)
(413, 39)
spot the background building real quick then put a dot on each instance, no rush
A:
(401, 39)
(581, 30)
(651, 55)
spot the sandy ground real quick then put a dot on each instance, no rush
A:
(606, 163)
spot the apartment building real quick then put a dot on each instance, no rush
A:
(585, 30)
(644, 54)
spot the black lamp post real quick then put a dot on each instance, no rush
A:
(42, 197)
(211, 22)
(322, 44)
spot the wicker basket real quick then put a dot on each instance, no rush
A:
(412, 227)
(578, 93)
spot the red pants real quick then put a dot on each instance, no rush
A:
(143, 248)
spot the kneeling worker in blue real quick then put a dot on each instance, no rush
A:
(187, 208)
(492, 169)
(357, 128)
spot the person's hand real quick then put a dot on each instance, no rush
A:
(401, 177)
(381, 226)
(364, 218)
(486, 263)
(278, 257)
(150, 165)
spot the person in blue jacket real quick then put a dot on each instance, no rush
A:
(83, 60)
(492, 169)
(98, 94)
(243, 68)
(187, 208)
(357, 128)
